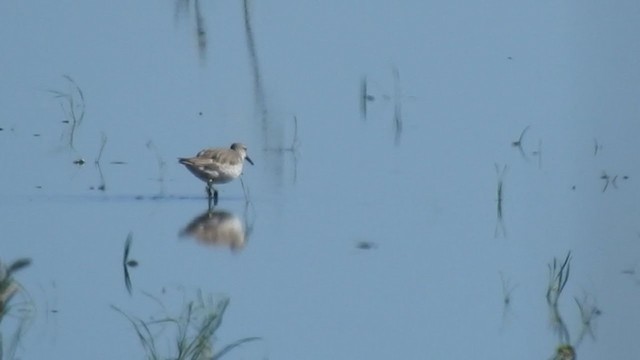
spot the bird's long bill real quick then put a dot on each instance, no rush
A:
(249, 160)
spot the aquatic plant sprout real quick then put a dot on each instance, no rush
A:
(194, 330)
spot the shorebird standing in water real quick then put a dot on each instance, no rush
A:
(217, 166)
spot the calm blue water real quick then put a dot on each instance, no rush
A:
(364, 237)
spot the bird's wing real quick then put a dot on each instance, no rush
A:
(220, 156)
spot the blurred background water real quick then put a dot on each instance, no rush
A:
(419, 166)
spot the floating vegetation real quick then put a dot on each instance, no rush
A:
(194, 331)
(518, 143)
(500, 228)
(73, 106)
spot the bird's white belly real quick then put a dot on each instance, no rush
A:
(224, 173)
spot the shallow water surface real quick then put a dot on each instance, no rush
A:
(431, 180)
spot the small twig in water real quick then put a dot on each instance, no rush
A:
(73, 106)
(126, 263)
(538, 153)
(397, 107)
(610, 180)
(103, 143)
(518, 143)
(365, 97)
(499, 200)
(596, 147)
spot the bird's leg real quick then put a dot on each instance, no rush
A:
(209, 190)
(211, 195)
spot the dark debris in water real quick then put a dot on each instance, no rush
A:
(118, 162)
(611, 179)
(366, 245)
(79, 161)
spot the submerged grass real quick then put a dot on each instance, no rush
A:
(9, 290)
(558, 277)
(194, 329)
(588, 313)
(8, 286)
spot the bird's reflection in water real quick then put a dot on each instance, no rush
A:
(219, 228)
